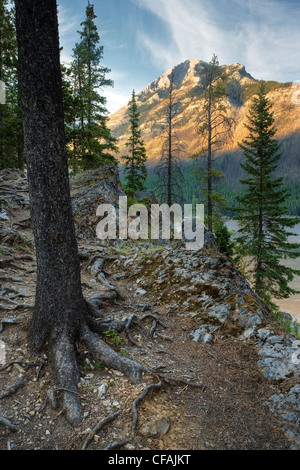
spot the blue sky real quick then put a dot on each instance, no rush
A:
(143, 39)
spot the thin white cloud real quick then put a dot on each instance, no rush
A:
(193, 32)
(272, 36)
(116, 99)
(262, 34)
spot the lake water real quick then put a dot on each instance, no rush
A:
(292, 304)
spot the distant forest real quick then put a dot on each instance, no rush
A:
(230, 186)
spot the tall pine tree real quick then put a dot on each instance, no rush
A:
(263, 223)
(11, 131)
(91, 141)
(135, 161)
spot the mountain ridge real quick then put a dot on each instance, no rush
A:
(188, 80)
(152, 103)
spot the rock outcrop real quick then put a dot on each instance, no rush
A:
(93, 188)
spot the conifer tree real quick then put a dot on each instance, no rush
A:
(91, 140)
(135, 161)
(263, 223)
(11, 131)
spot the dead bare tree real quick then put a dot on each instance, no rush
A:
(214, 130)
(168, 171)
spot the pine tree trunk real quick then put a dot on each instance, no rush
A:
(1, 114)
(61, 313)
(58, 292)
(59, 303)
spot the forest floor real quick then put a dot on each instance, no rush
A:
(227, 411)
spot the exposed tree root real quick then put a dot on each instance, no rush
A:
(51, 399)
(13, 388)
(103, 299)
(67, 376)
(153, 386)
(128, 325)
(117, 445)
(110, 325)
(97, 269)
(146, 390)
(10, 278)
(13, 258)
(12, 321)
(22, 363)
(64, 363)
(25, 223)
(180, 380)
(98, 427)
(84, 328)
(101, 277)
(17, 307)
(111, 358)
(63, 359)
(8, 424)
(134, 317)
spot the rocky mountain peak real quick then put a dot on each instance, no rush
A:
(188, 75)
(189, 72)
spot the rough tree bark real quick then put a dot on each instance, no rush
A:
(61, 314)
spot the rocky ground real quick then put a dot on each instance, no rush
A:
(224, 374)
